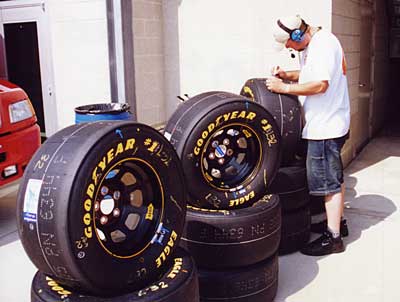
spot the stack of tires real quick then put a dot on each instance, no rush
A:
(101, 210)
(230, 151)
(291, 186)
(290, 182)
(317, 210)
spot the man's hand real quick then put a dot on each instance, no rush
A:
(278, 72)
(310, 88)
(285, 75)
(276, 85)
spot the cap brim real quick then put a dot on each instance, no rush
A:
(278, 46)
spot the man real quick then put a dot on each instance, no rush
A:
(322, 90)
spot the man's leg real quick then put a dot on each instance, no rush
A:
(319, 226)
(331, 240)
(325, 173)
(334, 205)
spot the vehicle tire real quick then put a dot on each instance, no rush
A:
(301, 151)
(223, 239)
(286, 111)
(255, 283)
(101, 206)
(178, 284)
(317, 205)
(290, 183)
(295, 230)
(229, 148)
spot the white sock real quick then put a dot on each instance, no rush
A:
(334, 234)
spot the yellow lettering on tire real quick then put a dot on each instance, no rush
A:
(88, 232)
(87, 219)
(90, 190)
(87, 205)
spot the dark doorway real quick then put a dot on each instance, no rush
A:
(23, 66)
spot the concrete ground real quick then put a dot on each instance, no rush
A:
(366, 272)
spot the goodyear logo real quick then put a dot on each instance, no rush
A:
(101, 167)
(218, 121)
(57, 288)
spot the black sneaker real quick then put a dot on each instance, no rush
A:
(324, 245)
(321, 227)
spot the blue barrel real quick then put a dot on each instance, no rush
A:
(102, 112)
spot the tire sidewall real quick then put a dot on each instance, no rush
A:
(233, 238)
(178, 284)
(91, 255)
(264, 129)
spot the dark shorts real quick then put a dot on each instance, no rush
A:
(324, 166)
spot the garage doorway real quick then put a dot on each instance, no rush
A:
(366, 84)
(26, 56)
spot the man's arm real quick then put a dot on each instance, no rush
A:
(285, 75)
(310, 88)
(292, 75)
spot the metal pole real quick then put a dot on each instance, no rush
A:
(121, 55)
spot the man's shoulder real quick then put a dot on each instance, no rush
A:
(326, 38)
(324, 34)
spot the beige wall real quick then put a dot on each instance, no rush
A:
(80, 55)
(183, 46)
(148, 32)
(193, 46)
(346, 25)
(224, 43)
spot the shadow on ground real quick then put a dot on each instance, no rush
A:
(296, 271)
(374, 152)
(8, 223)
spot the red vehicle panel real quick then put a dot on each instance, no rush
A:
(19, 138)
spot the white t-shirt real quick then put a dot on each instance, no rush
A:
(327, 115)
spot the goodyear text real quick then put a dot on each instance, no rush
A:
(218, 121)
(99, 170)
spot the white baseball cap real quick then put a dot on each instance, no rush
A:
(280, 34)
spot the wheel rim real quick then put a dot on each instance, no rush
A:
(231, 157)
(128, 208)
